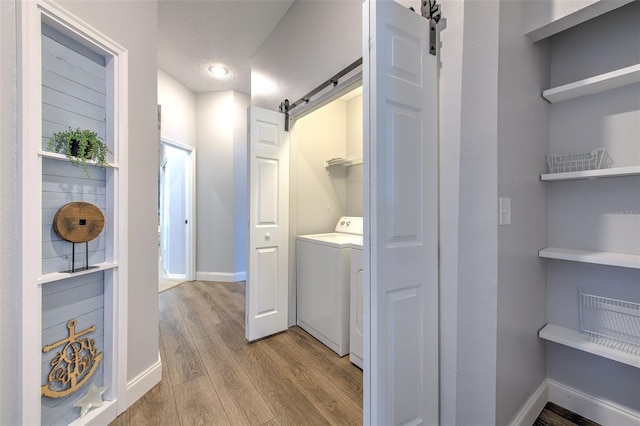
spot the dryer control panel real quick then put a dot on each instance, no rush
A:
(349, 225)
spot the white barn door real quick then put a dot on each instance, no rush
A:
(400, 77)
(267, 273)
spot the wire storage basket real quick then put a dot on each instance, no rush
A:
(592, 160)
(610, 322)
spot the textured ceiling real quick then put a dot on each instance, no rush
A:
(195, 34)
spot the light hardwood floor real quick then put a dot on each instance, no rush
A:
(212, 376)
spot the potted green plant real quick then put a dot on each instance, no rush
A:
(80, 146)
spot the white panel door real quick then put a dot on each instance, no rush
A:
(267, 273)
(401, 107)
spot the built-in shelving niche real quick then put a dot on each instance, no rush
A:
(559, 334)
(71, 76)
(74, 83)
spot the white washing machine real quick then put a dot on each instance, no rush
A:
(356, 334)
(323, 274)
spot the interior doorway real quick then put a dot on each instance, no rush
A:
(176, 214)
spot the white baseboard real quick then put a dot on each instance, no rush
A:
(599, 410)
(534, 405)
(225, 277)
(144, 382)
(177, 276)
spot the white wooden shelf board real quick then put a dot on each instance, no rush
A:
(593, 174)
(577, 340)
(99, 415)
(57, 276)
(595, 84)
(596, 257)
(62, 157)
(592, 11)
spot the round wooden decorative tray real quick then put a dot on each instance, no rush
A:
(78, 222)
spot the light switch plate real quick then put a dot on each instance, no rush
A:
(505, 211)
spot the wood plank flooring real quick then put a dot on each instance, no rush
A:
(212, 376)
(555, 415)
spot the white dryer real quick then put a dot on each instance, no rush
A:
(356, 336)
(323, 283)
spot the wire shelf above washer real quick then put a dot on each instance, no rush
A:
(343, 161)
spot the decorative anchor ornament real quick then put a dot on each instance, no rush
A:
(92, 399)
(74, 364)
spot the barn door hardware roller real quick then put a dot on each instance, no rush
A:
(430, 9)
(286, 106)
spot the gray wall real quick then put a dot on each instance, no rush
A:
(221, 162)
(489, 82)
(8, 206)
(133, 24)
(313, 41)
(215, 124)
(590, 214)
(178, 110)
(450, 128)
(240, 188)
(478, 242)
(523, 128)
(214, 170)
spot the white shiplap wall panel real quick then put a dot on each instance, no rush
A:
(65, 61)
(69, 103)
(81, 298)
(53, 81)
(73, 95)
(63, 183)
(61, 293)
(61, 411)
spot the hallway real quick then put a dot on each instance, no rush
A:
(211, 375)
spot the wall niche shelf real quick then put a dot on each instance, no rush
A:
(57, 276)
(577, 340)
(596, 257)
(593, 85)
(592, 174)
(592, 10)
(62, 157)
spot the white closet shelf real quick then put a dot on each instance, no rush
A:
(62, 157)
(596, 257)
(577, 340)
(57, 276)
(593, 174)
(595, 84)
(594, 10)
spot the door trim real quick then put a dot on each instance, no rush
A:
(191, 205)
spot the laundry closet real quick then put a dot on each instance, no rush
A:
(326, 219)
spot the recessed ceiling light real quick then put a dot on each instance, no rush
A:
(218, 71)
